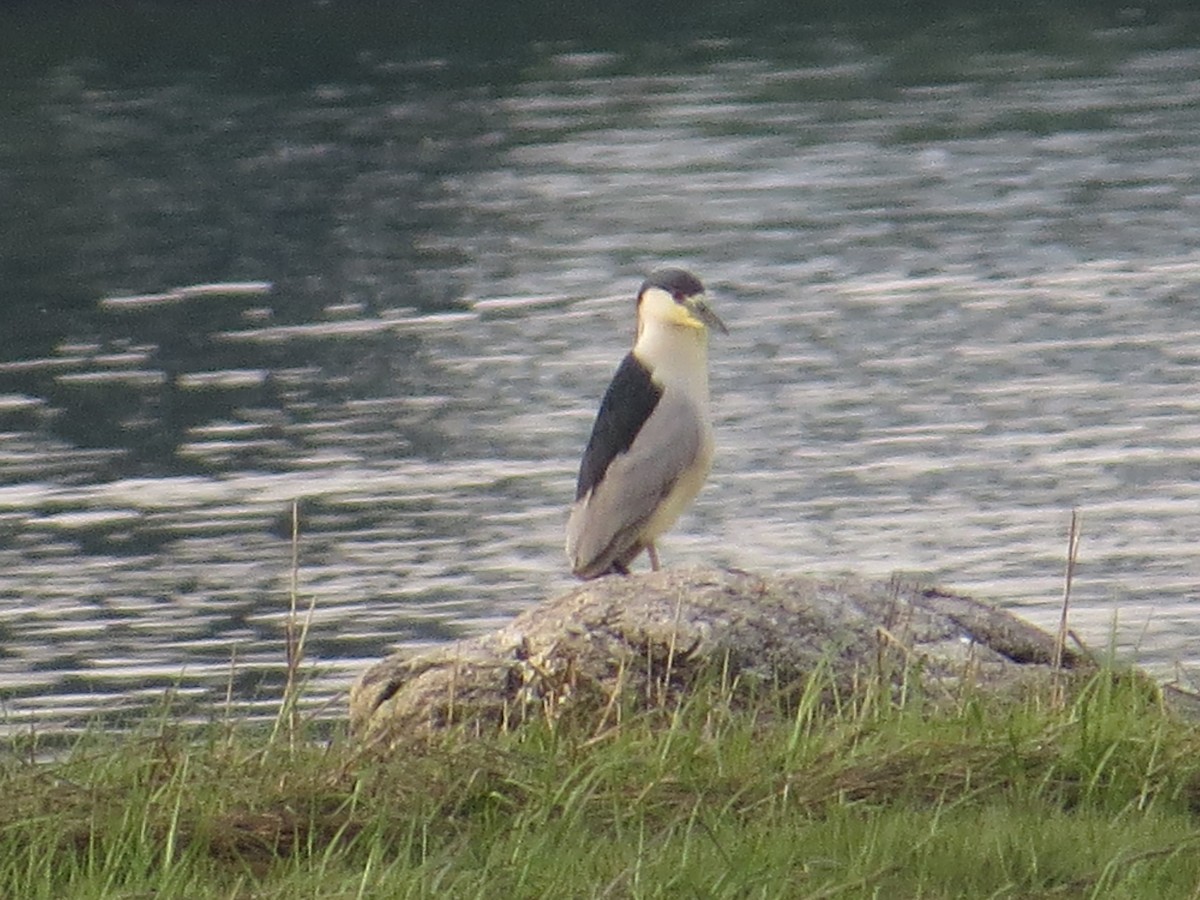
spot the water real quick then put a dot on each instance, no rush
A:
(959, 268)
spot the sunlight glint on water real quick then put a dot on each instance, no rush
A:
(952, 321)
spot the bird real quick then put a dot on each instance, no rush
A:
(651, 447)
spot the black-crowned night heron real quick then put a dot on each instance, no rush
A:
(652, 445)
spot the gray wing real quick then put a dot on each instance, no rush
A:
(607, 522)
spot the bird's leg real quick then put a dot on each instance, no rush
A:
(653, 553)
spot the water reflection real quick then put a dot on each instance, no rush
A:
(959, 299)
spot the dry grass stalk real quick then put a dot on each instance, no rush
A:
(1069, 577)
(295, 638)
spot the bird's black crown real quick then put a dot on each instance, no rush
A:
(679, 283)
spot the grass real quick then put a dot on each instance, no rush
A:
(1097, 797)
(1088, 789)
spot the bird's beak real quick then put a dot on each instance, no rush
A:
(700, 309)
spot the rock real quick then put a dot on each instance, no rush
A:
(644, 637)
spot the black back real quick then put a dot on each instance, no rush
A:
(627, 404)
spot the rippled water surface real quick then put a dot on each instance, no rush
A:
(961, 287)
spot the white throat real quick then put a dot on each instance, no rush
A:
(676, 355)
